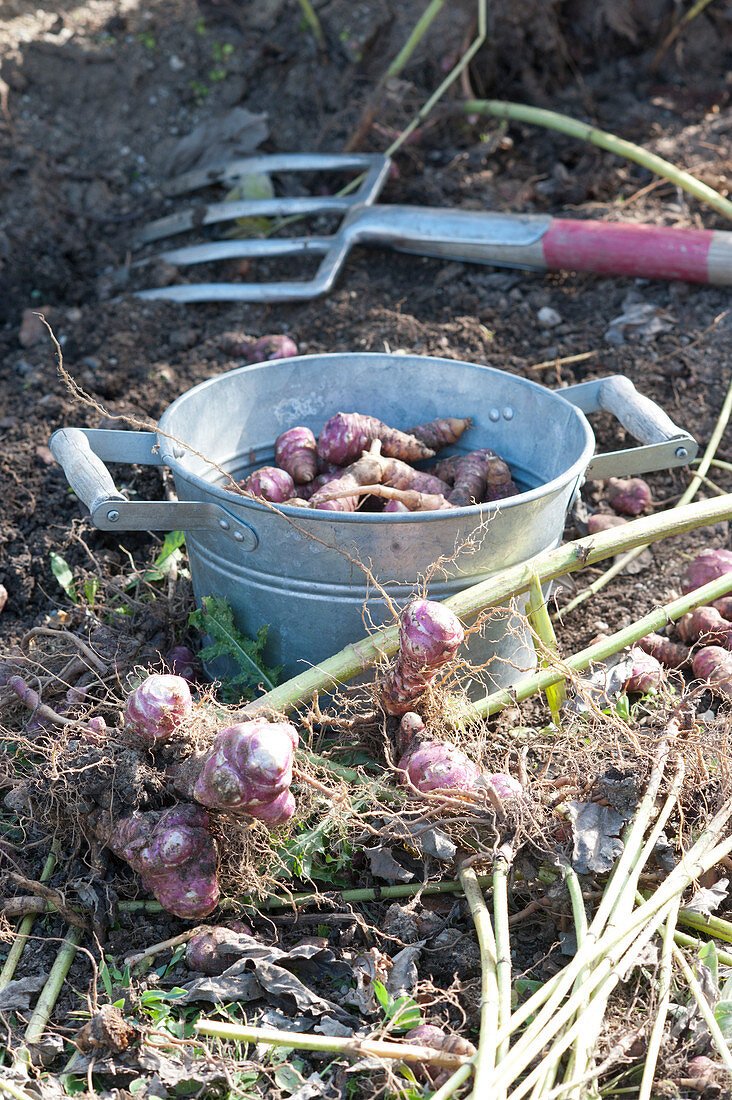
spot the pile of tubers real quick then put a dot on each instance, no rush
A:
(246, 769)
(704, 635)
(357, 458)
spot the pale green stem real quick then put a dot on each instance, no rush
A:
(450, 1087)
(593, 1010)
(359, 656)
(602, 979)
(52, 988)
(421, 27)
(714, 926)
(705, 1008)
(14, 1091)
(540, 621)
(24, 929)
(538, 116)
(553, 991)
(579, 1048)
(688, 495)
(720, 464)
(599, 651)
(551, 1016)
(447, 82)
(610, 959)
(485, 1059)
(49, 995)
(352, 1046)
(312, 21)
(683, 940)
(503, 947)
(645, 1091)
(673, 34)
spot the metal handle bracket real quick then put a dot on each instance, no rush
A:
(81, 453)
(663, 443)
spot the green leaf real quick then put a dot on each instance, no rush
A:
(64, 576)
(708, 955)
(216, 620)
(170, 554)
(723, 1016)
(381, 995)
(255, 185)
(405, 1014)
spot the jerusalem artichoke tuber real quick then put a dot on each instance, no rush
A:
(346, 435)
(296, 451)
(156, 708)
(172, 851)
(429, 636)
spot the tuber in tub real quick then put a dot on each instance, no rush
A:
(314, 577)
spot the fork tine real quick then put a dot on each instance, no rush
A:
(275, 162)
(215, 212)
(249, 249)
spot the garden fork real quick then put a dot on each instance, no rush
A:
(536, 242)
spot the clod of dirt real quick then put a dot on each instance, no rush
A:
(32, 327)
(107, 1032)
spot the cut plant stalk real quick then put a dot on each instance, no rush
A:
(485, 1059)
(579, 1054)
(599, 651)
(361, 655)
(354, 1047)
(538, 116)
(541, 623)
(49, 994)
(24, 929)
(503, 946)
(705, 1008)
(607, 952)
(593, 1012)
(645, 1091)
(682, 940)
(686, 497)
(331, 899)
(544, 1003)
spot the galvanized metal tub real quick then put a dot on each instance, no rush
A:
(302, 572)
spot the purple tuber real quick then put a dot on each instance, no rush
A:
(174, 854)
(427, 1035)
(671, 654)
(261, 350)
(602, 521)
(207, 951)
(706, 566)
(411, 730)
(181, 661)
(646, 673)
(714, 665)
(429, 636)
(346, 435)
(505, 786)
(442, 432)
(296, 451)
(248, 770)
(269, 483)
(481, 476)
(629, 496)
(436, 765)
(156, 708)
(704, 624)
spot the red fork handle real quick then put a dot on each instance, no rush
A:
(640, 251)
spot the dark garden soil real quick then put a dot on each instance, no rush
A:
(95, 99)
